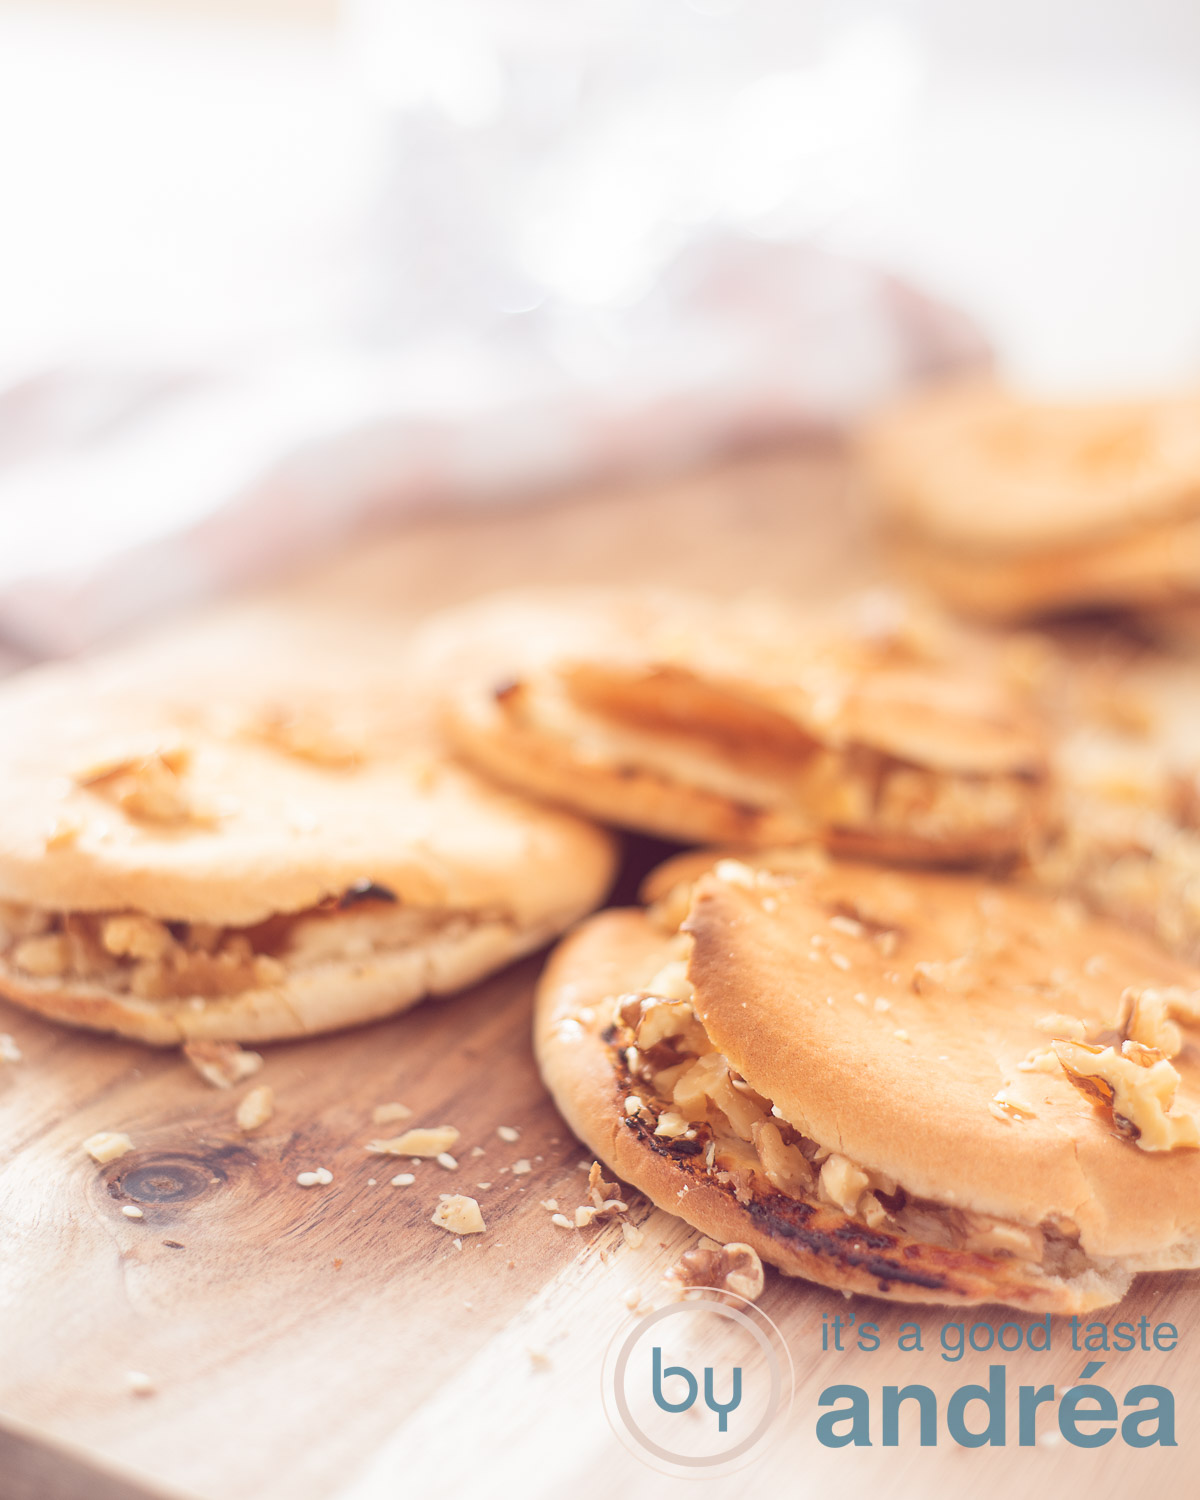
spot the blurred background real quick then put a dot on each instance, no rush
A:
(274, 270)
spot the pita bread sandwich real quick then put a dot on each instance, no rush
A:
(880, 731)
(916, 1085)
(1009, 507)
(292, 857)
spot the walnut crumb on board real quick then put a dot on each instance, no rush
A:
(107, 1145)
(389, 1114)
(321, 1177)
(432, 1141)
(256, 1108)
(732, 1268)
(458, 1214)
(222, 1063)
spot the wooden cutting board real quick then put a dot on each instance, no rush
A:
(306, 1344)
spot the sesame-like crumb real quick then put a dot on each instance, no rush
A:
(403, 1179)
(508, 1133)
(321, 1177)
(132, 1211)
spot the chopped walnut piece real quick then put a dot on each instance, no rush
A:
(732, 1268)
(786, 1166)
(256, 1108)
(146, 787)
(458, 1214)
(427, 1142)
(601, 1191)
(63, 832)
(107, 1145)
(135, 936)
(1135, 1087)
(307, 734)
(44, 957)
(987, 1236)
(222, 1064)
(389, 1114)
(842, 1183)
(671, 1125)
(1145, 1016)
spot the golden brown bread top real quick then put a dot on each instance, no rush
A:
(259, 774)
(755, 673)
(974, 466)
(884, 1012)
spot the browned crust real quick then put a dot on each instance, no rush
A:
(607, 956)
(647, 802)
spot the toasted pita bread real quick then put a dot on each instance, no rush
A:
(854, 1070)
(1009, 507)
(880, 732)
(290, 857)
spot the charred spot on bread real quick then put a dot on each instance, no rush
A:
(365, 890)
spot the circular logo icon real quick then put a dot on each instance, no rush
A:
(699, 1387)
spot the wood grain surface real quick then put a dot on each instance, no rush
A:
(330, 1343)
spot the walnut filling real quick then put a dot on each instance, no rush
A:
(130, 953)
(851, 787)
(680, 1087)
(1135, 1086)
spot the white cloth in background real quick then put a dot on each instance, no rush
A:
(260, 286)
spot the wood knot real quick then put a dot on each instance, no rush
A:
(172, 1177)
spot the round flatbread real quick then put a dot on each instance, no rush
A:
(291, 855)
(880, 732)
(857, 1071)
(1010, 507)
